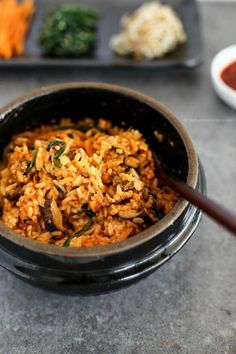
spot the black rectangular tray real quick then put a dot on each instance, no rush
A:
(110, 12)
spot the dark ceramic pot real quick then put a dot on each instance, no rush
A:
(102, 269)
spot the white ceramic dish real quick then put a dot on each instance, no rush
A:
(220, 61)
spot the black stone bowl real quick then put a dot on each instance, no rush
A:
(98, 270)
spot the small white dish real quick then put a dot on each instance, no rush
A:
(221, 61)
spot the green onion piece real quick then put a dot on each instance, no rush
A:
(78, 233)
(31, 163)
(54, 143)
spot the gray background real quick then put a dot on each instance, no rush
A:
(187, 306)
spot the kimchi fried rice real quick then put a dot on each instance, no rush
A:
(81, 185)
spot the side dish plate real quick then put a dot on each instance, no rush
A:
(188, 55)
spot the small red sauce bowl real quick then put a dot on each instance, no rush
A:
(220, 62)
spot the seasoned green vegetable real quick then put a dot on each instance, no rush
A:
(69, 31)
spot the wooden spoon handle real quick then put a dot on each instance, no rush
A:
(210, 207)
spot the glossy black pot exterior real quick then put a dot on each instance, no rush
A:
(102, 269)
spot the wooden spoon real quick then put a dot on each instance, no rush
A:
(210, 207)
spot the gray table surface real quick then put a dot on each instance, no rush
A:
(188, 305)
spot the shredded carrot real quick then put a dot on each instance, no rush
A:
(15, 19)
